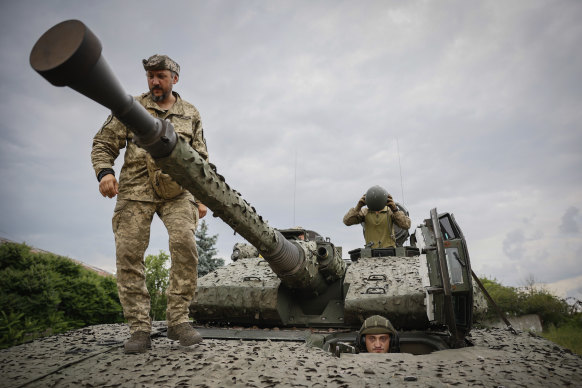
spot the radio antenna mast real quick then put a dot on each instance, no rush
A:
(294, 187)
(400, 167)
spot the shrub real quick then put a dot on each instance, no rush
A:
(551, 309)
(41, 293)
(506, 298)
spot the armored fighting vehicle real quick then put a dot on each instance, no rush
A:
(424, 289)
(297, 279)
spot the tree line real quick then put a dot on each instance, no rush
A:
(42, 293)
(552, 310)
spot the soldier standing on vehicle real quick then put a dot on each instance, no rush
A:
(144, 190)
(378, 218)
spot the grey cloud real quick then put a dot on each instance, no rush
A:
(552, 263)
(570, 221)
(469, 90)
(536, 235)
(513, 244)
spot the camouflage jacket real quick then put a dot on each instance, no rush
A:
(134, 183)
(354, 216)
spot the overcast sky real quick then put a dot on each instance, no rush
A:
(472, 107)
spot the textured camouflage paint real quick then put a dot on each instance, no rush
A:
(479, 300)
(243, 251)
(93, 357)
(245, 290)
(387, 286)
(248, 291)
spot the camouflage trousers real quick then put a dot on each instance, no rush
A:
(131, 226)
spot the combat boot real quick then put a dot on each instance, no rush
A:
(139, 342)
(185, 333)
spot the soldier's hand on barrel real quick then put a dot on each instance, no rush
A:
(108, 187)
(361, 203)
(202, 210)
(391, 203)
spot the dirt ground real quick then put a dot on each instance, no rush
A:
(93, 357)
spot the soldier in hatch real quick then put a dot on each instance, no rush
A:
(377, 335)
(143, 191)
(378, 218)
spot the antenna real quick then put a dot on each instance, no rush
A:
(400, 167)
(294, 187)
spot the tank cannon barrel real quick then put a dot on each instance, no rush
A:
(322, 253)
(69, 54)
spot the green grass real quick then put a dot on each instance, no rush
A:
(568, 336)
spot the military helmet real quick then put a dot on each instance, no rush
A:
(377, 324)
(376, 198)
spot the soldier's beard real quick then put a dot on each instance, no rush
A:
(161, 97)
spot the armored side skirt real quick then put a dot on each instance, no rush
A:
(389, 286)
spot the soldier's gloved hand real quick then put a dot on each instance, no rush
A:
(108, 186)
(391, 204)
(361, 203)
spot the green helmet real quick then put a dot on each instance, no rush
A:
(377, 324)
(376, 198)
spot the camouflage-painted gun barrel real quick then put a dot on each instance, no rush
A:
(69, 54)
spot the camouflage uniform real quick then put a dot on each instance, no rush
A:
(378, 226)
(136, 204)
